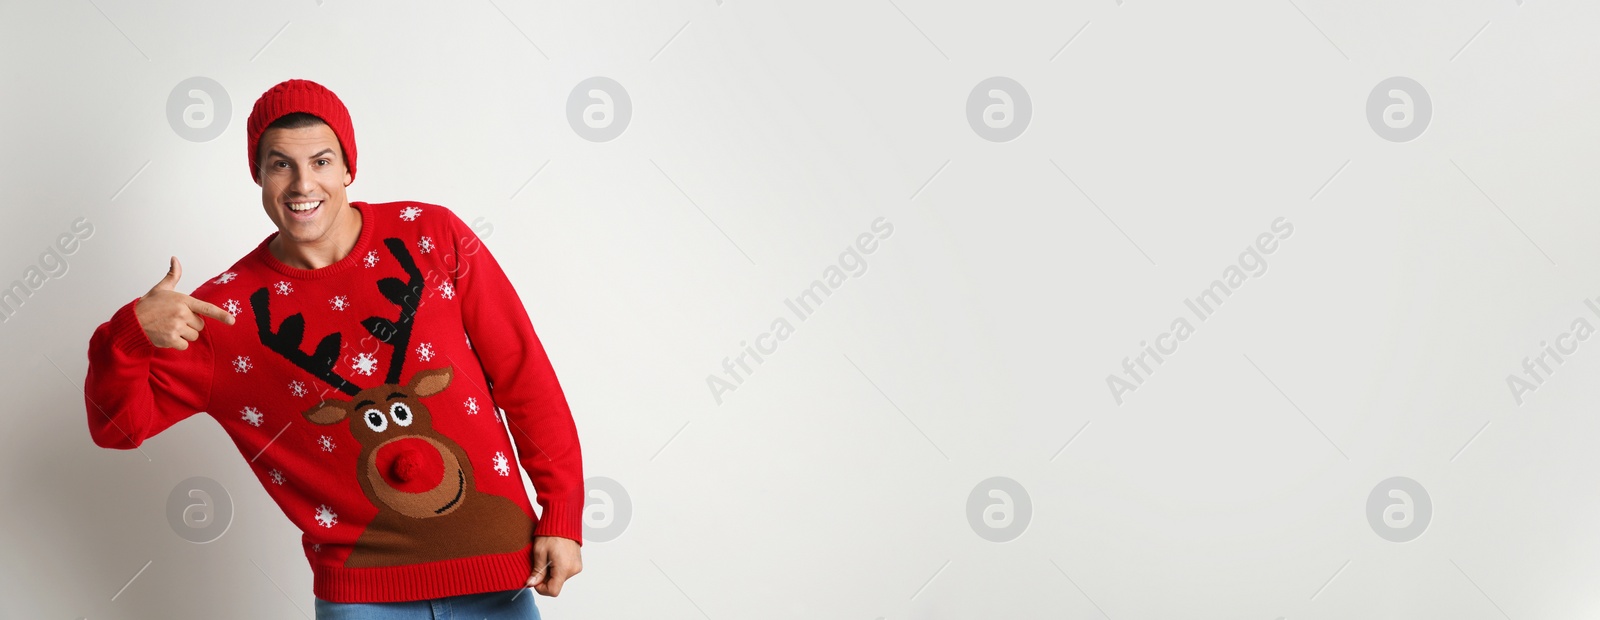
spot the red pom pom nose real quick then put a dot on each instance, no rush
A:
(411, 465)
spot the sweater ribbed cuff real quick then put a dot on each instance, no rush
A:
(126, 333)
(564, 519)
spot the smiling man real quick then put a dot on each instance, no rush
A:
(360, 358)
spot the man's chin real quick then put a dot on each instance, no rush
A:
(299, 232)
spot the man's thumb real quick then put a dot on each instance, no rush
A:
(170, 281)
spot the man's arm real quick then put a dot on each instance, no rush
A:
(523, 382)
(133, 390)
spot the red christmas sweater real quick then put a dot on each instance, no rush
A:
(367, 398)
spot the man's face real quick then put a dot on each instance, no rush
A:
(299, 166)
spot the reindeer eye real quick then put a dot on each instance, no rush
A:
(375, 420)
(401, 414)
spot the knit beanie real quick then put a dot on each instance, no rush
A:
(290, 96)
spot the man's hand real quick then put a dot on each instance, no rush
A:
(172, 319)
(554, 560)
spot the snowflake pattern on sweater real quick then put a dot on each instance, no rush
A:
(251, 415)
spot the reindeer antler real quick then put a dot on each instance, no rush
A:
(397, 332)
(286, 341)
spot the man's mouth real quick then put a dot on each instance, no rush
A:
(304, 211)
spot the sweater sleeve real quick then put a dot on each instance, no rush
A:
(134, 390)
(522, 382)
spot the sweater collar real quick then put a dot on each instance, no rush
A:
(363, 241)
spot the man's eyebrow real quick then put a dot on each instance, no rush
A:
(273, 152)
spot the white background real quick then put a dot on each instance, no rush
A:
(833, 483)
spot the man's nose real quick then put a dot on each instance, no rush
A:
(302, 183)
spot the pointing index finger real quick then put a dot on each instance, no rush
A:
(206, 308)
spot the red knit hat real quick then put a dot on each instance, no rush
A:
(290, 96)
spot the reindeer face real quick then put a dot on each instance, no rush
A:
(407, 466)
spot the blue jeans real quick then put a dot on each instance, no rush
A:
(504, 605)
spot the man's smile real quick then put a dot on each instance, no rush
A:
(304, 211)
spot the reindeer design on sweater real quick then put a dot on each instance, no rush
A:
(420, 481)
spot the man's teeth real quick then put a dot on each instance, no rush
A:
(304, 206)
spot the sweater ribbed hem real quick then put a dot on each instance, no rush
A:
(414, 582)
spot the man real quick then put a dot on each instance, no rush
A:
(384, 442)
